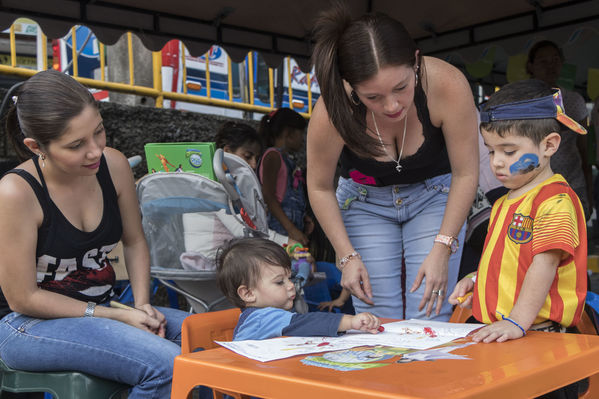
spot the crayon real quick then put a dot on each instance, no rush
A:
(115, 304)
(461, 299)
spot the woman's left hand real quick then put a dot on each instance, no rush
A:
(155, 314)
(434, 268)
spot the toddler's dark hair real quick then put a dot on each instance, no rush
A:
(238, 263)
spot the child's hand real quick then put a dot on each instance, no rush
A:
(329, 305)
(365, 322)
(291, 242)
(298, 236)
(463, 287)
(499, 331)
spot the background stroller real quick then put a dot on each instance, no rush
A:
(187, 216)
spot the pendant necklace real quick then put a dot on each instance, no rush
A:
(398, 168)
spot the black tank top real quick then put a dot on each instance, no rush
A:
(430, 160)
(72, 262)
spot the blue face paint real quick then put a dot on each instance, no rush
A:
(526, 163)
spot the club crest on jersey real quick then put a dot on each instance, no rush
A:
(520, 229)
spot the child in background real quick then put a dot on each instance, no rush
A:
(253, 273)
(532, 274)
(283, 183)
(335, 303)
(241, 140)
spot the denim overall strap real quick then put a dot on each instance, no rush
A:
(294, 202)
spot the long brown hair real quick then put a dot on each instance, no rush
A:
(43, 107)
(354, 50)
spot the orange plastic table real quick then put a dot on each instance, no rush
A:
(527, 367)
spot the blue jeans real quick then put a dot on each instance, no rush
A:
(97, 346)
(393, 225)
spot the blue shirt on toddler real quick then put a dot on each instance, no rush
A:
(263, 323)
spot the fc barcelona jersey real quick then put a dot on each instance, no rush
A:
(545, 218)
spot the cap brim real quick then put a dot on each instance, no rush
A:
(570, 123)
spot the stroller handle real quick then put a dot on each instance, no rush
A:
(220, 169)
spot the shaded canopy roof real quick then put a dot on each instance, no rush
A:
(277, 28)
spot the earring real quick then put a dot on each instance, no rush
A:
(42, 156)
(354, 98)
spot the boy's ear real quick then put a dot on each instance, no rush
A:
(246, 294)
(551, 143)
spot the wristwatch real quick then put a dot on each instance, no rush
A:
(451, 242)
(89, 310)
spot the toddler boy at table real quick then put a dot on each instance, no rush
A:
(532, 274)
(253, 273)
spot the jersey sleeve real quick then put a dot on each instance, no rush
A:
(555, 226)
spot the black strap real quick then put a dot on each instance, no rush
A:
(39, 191)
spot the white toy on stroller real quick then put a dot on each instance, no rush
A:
(186, 217)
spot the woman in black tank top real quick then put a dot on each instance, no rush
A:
(63, 211)
(404, 128)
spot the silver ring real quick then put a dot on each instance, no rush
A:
(436, 292)
(440, 292)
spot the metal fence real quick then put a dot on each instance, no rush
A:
(157, 91)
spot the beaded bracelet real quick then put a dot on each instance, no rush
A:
(347, 258)
(513, 322)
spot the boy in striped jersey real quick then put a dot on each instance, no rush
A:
(532, 274)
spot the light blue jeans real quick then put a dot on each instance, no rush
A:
(391, 226)
(97, 346)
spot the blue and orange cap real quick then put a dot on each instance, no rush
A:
(551, 106)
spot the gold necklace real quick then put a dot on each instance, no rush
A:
(398, 167)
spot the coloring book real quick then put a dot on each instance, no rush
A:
(411, 334)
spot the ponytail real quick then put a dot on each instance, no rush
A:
(15, 134)
(43, 108)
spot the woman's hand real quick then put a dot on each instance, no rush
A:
(160, 328)
(434, 269)
(355, 278)
(138, 318)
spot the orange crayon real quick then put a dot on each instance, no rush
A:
(461, 299)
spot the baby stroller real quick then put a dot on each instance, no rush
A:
(186, 217)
